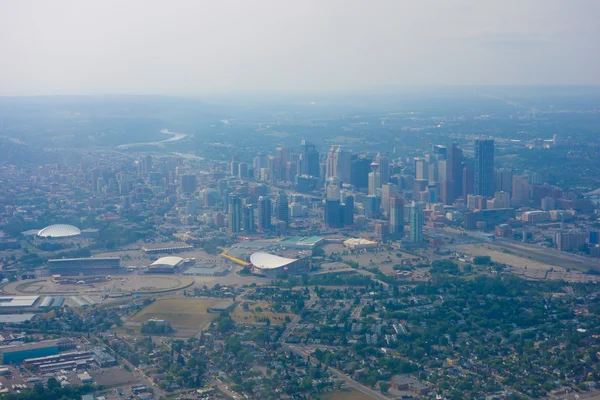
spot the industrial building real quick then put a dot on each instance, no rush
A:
(17, 302)
(272, 265)
(16, 353)
(85, 266)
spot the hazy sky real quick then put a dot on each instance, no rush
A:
(196, 47)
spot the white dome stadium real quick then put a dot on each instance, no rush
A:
(59, 231)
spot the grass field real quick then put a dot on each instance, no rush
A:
(257, 317)
(345, 395)
(187, 314)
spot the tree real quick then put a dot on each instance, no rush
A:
(52, 384)
(384, 387)
(482, 260)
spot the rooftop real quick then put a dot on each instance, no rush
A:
(269, 261)
(18, 301)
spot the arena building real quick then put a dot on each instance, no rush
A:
(59, 231)
(167, 265)
(271, 265)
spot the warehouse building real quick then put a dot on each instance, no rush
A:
(16, 353)
(166, 265)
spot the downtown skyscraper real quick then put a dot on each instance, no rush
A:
(416, 223)
(264, 213)
(484, 167)
(235, 213)
(309, 159)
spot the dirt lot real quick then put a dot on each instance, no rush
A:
(187, 314)
(504, 258)
(256, 317)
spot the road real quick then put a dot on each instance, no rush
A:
(298, 350)
(137, 373)
(292, 325)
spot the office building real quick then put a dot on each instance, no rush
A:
(360, 169)
(503, 180)
(416, 223)
(384, 167)
(374, 179)
(348, 208)
(282, 208)
(468, 179)
(372, 206)
(188, 184)
(333, 216)
(484, 167)
(333, 189)
(339, 163)
(309, 159)
(388, 191)
(421, 169)
(396, 216)
(454, 174)
(520, 190)
(264, 213)
(235, 213)
(248, 218)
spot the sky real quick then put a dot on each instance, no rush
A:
(181, 47)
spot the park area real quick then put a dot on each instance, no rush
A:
(187, 316)
(255, 312)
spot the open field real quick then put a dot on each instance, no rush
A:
(187, 314)
(504, 258)
(257, 317)
(351, 394)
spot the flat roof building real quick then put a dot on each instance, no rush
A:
(84, 266)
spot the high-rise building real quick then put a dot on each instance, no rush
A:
(334, 186)
(360, 169)
(309, 159)
(388, 191)
(146, 166)
(416, 223)
(339, 163)
(441, 150)
(372, 206)
(468, 179)
(349, 210)
(421, 169)
(188, 183)
(503, 179)
(484, 167)
(264, 213)
(396, 216)
(374, 179)
(384, 167)
(454, 174)
(235, 213)
(243, 170)
(248, 218)
(261, 161)
(520, 190)
(282, 207)
(333, 217)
